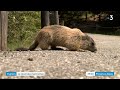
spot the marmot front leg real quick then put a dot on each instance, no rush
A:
(56, 48)
(44, 45)
(53, 47)
(82, 50)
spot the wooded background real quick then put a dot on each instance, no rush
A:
(19, 28)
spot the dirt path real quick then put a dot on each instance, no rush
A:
(65, 64)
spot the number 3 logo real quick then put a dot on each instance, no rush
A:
(111, 17)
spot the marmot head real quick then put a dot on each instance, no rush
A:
(88, 43)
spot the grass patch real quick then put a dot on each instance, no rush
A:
(26, 42)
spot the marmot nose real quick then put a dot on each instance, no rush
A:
(95, 50)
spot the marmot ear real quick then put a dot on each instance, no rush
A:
(84, 37)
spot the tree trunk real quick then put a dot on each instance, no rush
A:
(3, 30)
(44, 18)
(62, 22)
(86, 16)
(54, 18)
(99, 17)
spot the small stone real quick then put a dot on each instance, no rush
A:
(30, 59)
(78, 62)
(115, 56)
(43, 55)
(81, 77)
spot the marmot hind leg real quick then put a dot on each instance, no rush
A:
(44, 45)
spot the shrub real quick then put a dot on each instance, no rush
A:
(22, 27)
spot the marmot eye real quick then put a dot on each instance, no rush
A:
(92, 44)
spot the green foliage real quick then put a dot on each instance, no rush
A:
(22, 27)
(87, 20)
(74, 16)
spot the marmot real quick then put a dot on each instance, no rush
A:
(57, 35)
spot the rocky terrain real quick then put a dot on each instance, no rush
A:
(60, 64)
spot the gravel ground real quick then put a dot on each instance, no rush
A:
(65, 64)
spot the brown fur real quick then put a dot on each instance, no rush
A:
(57, 35)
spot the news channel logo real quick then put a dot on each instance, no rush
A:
(25, 73)
(99, 73)
(110, 17)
